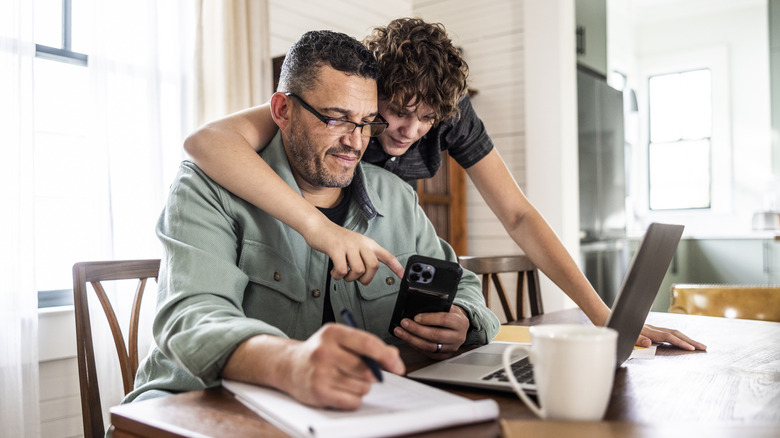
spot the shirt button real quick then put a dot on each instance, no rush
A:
(315, 293)
(393, 158)
(277, 276)
(390, 281)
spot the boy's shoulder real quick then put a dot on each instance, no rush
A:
(383, 179)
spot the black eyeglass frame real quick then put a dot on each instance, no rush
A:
(331, 123)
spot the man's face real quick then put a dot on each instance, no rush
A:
(318, 156)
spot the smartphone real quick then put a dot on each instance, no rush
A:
(429, 285)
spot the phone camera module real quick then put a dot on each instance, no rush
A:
(421, 273)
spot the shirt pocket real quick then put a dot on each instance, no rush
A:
(378, 299)
(276, 289)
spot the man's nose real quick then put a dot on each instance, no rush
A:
(355, 139)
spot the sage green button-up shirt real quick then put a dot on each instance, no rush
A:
(231, 271)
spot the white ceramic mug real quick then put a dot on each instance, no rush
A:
(574, 368)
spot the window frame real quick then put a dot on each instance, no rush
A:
(64, 53)
(679, 140)
(716, 60)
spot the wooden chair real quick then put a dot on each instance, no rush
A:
(490, 267)
(730, 301)
(95, 273)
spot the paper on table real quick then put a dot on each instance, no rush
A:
(643, 353)
(513, 333)
(398, 406)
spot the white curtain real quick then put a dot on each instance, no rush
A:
(141, 70)
(19, 416)
(142, 104)
(233, 57)
(140, 108)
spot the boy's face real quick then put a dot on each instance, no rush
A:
(407, 125)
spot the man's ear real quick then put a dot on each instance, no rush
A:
(281, 107)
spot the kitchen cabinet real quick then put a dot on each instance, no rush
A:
(732, 261)
(591, 31)
(678, 272)
(772, 260)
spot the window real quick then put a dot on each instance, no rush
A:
(54, 32)
(680, 150)
(61, 90)
(112, 103)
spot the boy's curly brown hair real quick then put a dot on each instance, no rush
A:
(418, 63)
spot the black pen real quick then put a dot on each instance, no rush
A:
(347, 315)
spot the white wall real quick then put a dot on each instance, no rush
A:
(527, 100)
(552, 164)
(292, 18)
(491, 39)
(59, 397)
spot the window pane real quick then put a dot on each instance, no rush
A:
(48, 22)
(680, 106)
(696, 101)
(60, 96)
(680, 175)
(70, 187)
(82, 23)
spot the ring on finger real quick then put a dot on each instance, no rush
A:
(438, 348)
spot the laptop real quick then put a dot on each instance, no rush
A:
(482, 367)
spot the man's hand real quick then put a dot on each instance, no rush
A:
(355, 256)
(429, 330)
(652, 334)
(327, 370)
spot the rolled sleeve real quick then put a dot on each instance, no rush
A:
(200, 320)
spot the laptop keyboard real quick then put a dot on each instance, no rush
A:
(522, 369)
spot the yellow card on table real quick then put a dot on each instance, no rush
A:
(513, 333)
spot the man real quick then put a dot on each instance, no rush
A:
(241, 294)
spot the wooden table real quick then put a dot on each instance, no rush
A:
(732, 389)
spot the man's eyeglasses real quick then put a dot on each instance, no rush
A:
(345, 127)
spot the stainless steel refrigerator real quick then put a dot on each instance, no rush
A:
(603, 245)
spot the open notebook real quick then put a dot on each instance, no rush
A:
(482, 367)
(397, 406)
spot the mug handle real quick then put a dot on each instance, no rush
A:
(507, 359)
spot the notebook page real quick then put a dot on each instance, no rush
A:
(395, 407)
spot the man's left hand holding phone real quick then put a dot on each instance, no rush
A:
(424, 316)
(437, 335)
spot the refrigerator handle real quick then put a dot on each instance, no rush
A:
(767, 257)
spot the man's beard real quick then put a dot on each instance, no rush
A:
(311, 167)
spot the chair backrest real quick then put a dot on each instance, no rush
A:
(527, 275)
(95, 273)
(730, 301)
